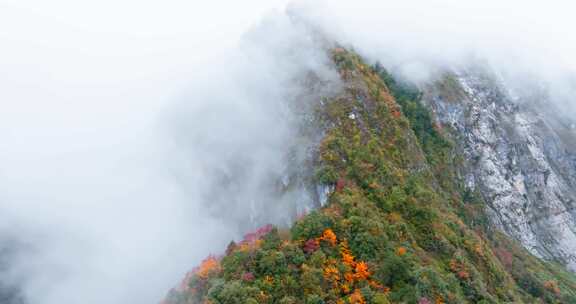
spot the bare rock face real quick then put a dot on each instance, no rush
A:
(518, 154)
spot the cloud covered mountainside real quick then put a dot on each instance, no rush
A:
(406, 211)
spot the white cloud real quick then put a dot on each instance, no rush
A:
(83, 163)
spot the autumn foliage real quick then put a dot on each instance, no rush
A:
(459, 269)
(329, 237)
(361, 271)
(357, 298)
(208, 266)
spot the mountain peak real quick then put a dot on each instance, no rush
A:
(399, 226)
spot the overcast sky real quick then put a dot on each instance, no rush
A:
(85, 85)
(84, 178)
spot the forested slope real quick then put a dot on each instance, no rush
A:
(399, 227)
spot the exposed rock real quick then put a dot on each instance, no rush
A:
(521, 160)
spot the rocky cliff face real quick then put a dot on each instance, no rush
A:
(519, 156)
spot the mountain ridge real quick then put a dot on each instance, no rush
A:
(399, 225)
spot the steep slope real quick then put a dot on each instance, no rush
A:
(519, 157)
(399, 225)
